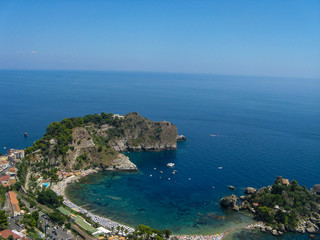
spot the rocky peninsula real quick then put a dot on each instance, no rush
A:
(284, 206)
(96, 142)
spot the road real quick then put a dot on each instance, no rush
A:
(53, 230)
(2, 173)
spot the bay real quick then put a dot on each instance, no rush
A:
(255, 128)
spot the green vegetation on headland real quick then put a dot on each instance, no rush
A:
(85, 143)
(61, 132)
(284, 206)
(93, 141)
(97, 140)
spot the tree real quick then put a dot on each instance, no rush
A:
(280, 217)
(57, 217)
(49, 198)
(32, 203)
(294, 185)
(17, 186)
(10, 237)
(167, 233)
(35, 216)
(265, 213)
(68, 225)
(3, 220)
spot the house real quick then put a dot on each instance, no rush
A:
(15, 154)
(13, 203)
(5, 180)
(60, 175)
(7, 233)
(118, 116)
(12, 172)
(68, 175)
(285, 182)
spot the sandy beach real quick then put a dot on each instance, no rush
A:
(59, 189)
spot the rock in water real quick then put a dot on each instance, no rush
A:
(181, 138)
(250, 190)
(230, 202)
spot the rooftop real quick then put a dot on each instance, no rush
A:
(4, 178)
(14, 203)
(7, 233)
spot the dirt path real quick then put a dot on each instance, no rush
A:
(27, 180)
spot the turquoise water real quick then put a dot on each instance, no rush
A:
(265, 127)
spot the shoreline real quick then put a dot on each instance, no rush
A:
(60, 187)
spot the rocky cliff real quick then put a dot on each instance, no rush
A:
(141, 134)
(98, 140)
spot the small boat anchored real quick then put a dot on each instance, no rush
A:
(219, 168)
(170, 165)
(25, 134)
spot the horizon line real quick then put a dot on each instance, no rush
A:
(159, 72)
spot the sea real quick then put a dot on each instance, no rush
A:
(242, 131)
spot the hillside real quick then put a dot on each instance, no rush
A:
(96, 141)
(284, 206)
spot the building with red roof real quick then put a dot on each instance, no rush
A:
(14, 203)
(4, 180)
(7, 233)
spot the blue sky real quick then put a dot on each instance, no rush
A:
(264, 38)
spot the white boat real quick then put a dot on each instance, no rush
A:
(220, 168)
(170, 165)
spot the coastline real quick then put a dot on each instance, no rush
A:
(60, 187)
